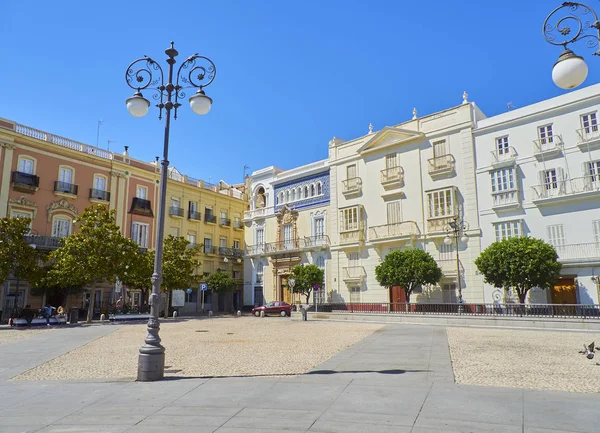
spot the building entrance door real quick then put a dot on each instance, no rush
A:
(564, 291)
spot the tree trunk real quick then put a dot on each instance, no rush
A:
(522, 295)
(90, 311)
(167, 306)
(307, 297)
(407, 293)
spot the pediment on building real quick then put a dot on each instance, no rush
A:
(388, 137)
(287, 215)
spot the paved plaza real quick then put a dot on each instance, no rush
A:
(397, 379)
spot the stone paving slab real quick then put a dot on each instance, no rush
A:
(397, 380)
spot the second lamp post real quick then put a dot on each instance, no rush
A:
(457, 229)
(145, 74)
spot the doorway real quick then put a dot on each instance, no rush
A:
(564, 291)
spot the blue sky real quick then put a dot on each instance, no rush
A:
(290, 75)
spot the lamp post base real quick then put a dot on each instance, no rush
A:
(151, 367)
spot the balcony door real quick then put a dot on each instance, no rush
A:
(99, 183)
(66, 175)
(288, 240)
(26, 166)
(439, 149)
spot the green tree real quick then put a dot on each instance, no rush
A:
(408, 269)
(220, 282)
(521, 263)
(139, 274)
(97, 252)
(178, 265)
(305, 278)
(16, 256)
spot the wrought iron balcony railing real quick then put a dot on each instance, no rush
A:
(193, 215)
(25, 181)
(176, 211)
(141, 206)
(210, 218)
(43, 242)
(225, 222)
(98, 194)
(564, 189)
(65, 187)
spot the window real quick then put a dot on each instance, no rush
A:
(449, 293)
(556, 235)
(596, 226)
(550, 179)
(391, 160)
(439, 148)
(141, 192)
(26, 165)
(507, 230)
(207, 245)
(312, 190)
(319, 227)
(139, 234)
(354, 294)
(321, 262)
(502, 145)
(237, 221)
(441, 203)
(293, 195)
(22, 214)
(306, 192)
(260, 236)
(319, 188)
(280, 200)
(589, 123)
(223, 215)
(545, 134)
(393, 212)
(175, 231)
(447, 251)
(99, 183)
(191, 237)
(503, 180)
(236, 244)
(61, 227)
(223, 242)
(353, 259)
(193, 206)
(351, 171)
(175, 202)
(65, 175)
(287, 196)
(288, 234)
(208, 215)
(260, 267)
(349, 219)
(593, 170)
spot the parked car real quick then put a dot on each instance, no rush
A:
(276, 307)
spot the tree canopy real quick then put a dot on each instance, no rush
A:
(16, 256)
(305, 278)
(179, 263)
(408, 269)
(220, 282)
(520, 263)
(97, 252)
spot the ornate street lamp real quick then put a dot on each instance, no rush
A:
(575, 22)
(457, 230)
(146, 74)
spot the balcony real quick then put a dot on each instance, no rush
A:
(392, 177)
(25, 182)
(448, 267)
(193, 215)
(43, 242)
(273, 248)
(565, 190)
(65, 188)
(237, 224)
(588, 138)
(349, 237)
(579, 254)
(259, 279)
(260, 212)
(141, 206)
(439, 225)
(231, 252)
(175, 211)
(225, 222)
(98, 194)
(393, 232)
(504, 158)
(316, 242)
(352, 187)
(254, 250)
(209, 249)
(441, 165)
(548, 147)
(506, 200)
(354, 276)
(210, 218)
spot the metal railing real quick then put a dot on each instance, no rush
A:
(258, 212)
(441, 163)
(193, 215)
(99, 194)
(43, 242)
(558, 188)
(238, 224)
(392, 174)
(352, 185)
(404, 228)
(255, 249)
(231, 252)
(30, 181)
(141, 206)
(316, 241)
(210, 218)
(574, 311)
(65, 187)
(553, 143)
(225, 222)
(176, 211)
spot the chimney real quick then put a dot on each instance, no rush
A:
(126, 153)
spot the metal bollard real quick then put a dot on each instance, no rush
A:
(262, 313)
(209, 313)
(102, 317)
(239, 313)
(174, 314)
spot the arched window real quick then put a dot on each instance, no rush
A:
(319, 188)
(287, 196)
(293, 195)
(306, 192)
(321, 262)
(312, 190)
(280, 201)
(260, 199)
(299, 193)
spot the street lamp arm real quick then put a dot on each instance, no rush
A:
(580, 22)
(195, 72)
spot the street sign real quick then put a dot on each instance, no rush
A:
(316, 287)
(203, 287)
(178, 298)
(189, 291)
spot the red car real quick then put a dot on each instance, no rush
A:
(276, 307)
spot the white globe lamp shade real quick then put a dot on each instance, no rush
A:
(464, 239)
(137, 105)
(570, 70)
(200, 103)
(448, 241)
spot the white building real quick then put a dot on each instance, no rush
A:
(285, 226)
(538, 174)
(400, 187)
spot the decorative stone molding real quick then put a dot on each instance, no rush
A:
(8, 145)
(287, 216)
(118, 174)
(61, 205)
(22, 201)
